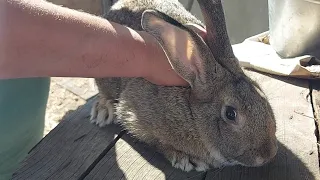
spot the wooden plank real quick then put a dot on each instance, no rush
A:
(297, 157)
(68, 150)
(130, 159)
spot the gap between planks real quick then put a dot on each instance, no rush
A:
(315, 102)
(103, 153)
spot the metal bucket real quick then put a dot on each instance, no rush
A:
(294, 27)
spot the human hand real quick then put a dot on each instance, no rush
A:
(157, 67)
(166, 77)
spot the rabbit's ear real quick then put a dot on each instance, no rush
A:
(217, 36)
(185, 49)
(201, 31)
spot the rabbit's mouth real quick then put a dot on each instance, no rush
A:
(259, 156)
(219, 164)
(257, 163)
(238, 162)
(249, 161)
(231, 162)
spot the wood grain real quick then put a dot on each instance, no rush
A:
(68, 150)
(130, 159)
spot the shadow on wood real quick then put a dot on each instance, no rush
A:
(136, 160)
(70, 150)
(286, 165)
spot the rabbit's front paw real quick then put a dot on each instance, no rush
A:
(182, 163)
(102, 112)
(186, 164)
(200, 165)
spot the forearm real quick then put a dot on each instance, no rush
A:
(55, 41)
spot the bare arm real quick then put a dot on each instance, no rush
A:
(40, 39)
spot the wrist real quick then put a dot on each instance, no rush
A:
(155, 66)
(154, 58)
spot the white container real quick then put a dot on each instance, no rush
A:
(294, 27)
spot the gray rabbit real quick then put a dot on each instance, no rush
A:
(222, 119)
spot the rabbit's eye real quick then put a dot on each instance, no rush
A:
(231, 113)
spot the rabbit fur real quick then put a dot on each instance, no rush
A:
(192, 126)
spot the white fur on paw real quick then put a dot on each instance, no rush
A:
(93, 113)
(201, 166)
(109, 105)
(102, 116)
(182, 163)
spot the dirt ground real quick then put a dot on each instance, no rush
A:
(66, 94)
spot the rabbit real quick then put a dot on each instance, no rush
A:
(222, 119)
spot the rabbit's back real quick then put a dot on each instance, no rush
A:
(129, 13)
(143, 107)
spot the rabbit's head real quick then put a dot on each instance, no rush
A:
(231, 113)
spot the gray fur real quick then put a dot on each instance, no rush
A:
(187, 124)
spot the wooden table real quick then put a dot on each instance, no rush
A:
(76, 149)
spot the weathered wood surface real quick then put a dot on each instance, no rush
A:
(68, 150)
(130, 159)
(76, 149)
